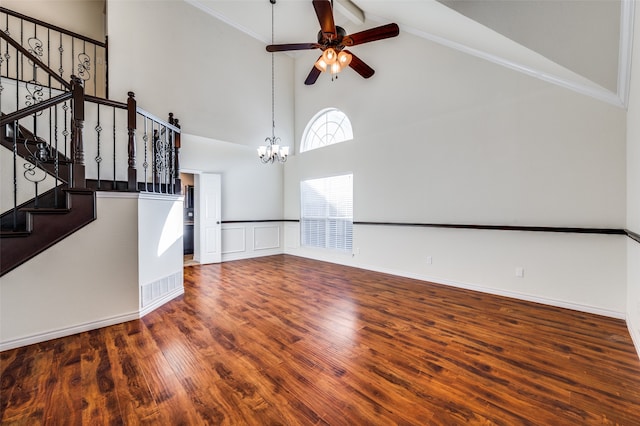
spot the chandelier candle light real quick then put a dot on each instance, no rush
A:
(273, 152)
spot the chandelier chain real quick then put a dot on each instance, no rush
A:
(273, 92)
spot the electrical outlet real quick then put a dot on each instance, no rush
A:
(429, 260)
(520, 272)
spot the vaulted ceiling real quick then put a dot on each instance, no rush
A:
(583, 45)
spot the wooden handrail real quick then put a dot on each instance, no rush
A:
(35, 60)
(105, 102)
(30, 110)
(52, 27)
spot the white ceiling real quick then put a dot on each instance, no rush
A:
(583, 45)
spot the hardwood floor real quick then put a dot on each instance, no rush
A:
(285, 340)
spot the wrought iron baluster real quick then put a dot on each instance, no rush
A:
(98, 157)
(61, 50)
(114, 149)
(165, 159)
(38, 153)
(65, 131)
(156, 176)
(145, 164)
(95, 70)
(84, 64)
(57, 158)
(15, 175)
(22, 43)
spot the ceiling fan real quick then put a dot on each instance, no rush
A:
(333, 40)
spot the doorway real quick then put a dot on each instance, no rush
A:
(202, 217)
(188, 191)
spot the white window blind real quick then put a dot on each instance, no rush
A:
(327, 212)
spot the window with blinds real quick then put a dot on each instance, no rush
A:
(327, 212)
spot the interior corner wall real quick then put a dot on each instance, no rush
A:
(251, 197)
(443, 137)
(633, 190)
(251, 191)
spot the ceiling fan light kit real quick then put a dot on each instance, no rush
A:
(332, 41)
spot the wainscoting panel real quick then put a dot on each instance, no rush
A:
(266, 237)
(233, 240)
(244, 240)
(292, 235)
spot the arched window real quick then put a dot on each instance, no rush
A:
(327, 127)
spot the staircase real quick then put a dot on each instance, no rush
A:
(49, 125)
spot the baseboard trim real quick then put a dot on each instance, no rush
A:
(635, 335)
(483, 289)
(67, 331)
(93, 325)
(505, 293)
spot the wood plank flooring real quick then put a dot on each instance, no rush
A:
(283, 340)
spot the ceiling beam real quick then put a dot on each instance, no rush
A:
(350, 11)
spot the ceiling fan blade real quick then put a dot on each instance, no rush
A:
(313, 75)
(325, 17)
(360, 67)
(291, 46)
(373, 34)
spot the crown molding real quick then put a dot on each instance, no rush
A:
(197, 4)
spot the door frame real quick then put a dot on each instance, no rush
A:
(198, 220)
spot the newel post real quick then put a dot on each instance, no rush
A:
(78, 178)
(176, 155)
(132, 174)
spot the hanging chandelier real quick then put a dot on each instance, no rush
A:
(272, 151)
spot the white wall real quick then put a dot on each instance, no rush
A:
(442, 137)
(160, 249)
(119, 267)
(215, 79)
(251, 191)
(87, 280)
(633, 190)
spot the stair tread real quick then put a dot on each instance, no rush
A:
(48, 210)
(14, 234)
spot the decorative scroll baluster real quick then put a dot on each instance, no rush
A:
(132, 173)
(57, 162)
(156, 160)
(61, 50)
(145, 165)
(176, 148)
(77, 147)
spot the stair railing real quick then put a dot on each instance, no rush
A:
(64, 51)
(40, 161)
